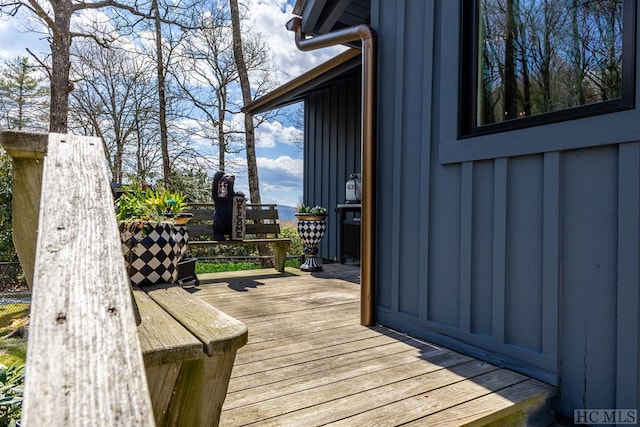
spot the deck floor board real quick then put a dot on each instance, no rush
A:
(310, 362)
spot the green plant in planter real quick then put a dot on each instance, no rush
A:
(315, 210)
(141, 203)
(152, 233)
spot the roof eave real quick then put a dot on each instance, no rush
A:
(282, 95)
(297, 8)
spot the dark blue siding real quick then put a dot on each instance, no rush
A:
(332, 137)
(627, 373)
(444, 247)
(523, 302)
(520, 247)
(589, 276)
(481, 247)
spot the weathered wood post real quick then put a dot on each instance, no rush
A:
(27, 152)
(84, 361)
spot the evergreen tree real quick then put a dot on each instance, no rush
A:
(23, 96)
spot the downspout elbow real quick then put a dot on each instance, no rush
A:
(359, 32)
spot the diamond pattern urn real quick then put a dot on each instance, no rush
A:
(311, 229)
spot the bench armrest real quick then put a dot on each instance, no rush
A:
(218, 332)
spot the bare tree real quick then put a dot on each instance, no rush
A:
(510, 78)
(162, 100)
(208, 75)
(250, 137)
(296, 118)
(577, 54)
(205, 77)
(170, 22)
(606, 17)
(523, 58)
(57, 17)
(490, 69)
(114, 99)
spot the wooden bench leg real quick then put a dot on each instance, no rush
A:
(161, 380)
(200, 391)
(279, 255)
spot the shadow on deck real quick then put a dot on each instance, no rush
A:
(310, 362)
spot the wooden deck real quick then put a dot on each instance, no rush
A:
(309, 362)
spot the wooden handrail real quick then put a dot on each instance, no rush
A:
(84, 362)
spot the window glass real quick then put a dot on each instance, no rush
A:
(531, 58)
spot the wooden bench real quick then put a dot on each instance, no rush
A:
(188, 348)
(261, 226)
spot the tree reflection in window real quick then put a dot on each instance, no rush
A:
(534, 57)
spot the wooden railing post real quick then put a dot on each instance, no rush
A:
(27, 152)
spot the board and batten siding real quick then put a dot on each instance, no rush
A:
(332, 138)
(529, 260)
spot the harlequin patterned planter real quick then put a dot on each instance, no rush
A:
(181, 235)
(152, 251)
(311, 229)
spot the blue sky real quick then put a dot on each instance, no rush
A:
(279, 159)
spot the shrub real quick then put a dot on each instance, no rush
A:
(315, 210)
(290, 231)
(7, 251)
(11, 394)
(13, 343)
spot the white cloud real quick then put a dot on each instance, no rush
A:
(269, 17)
(19, 32)
(284, 165)
(90, 20)
(280, 180)
(270, 133)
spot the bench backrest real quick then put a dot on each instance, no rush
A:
(261, 220)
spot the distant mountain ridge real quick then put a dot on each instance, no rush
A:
(286, 212)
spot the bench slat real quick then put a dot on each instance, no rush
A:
(262, 229)
(217, 331)
(198, 230)
(238, 242)
(201, 215)
(162, 339)
(188, 391)
(254, 212)
(270, 215)
(264, 214)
